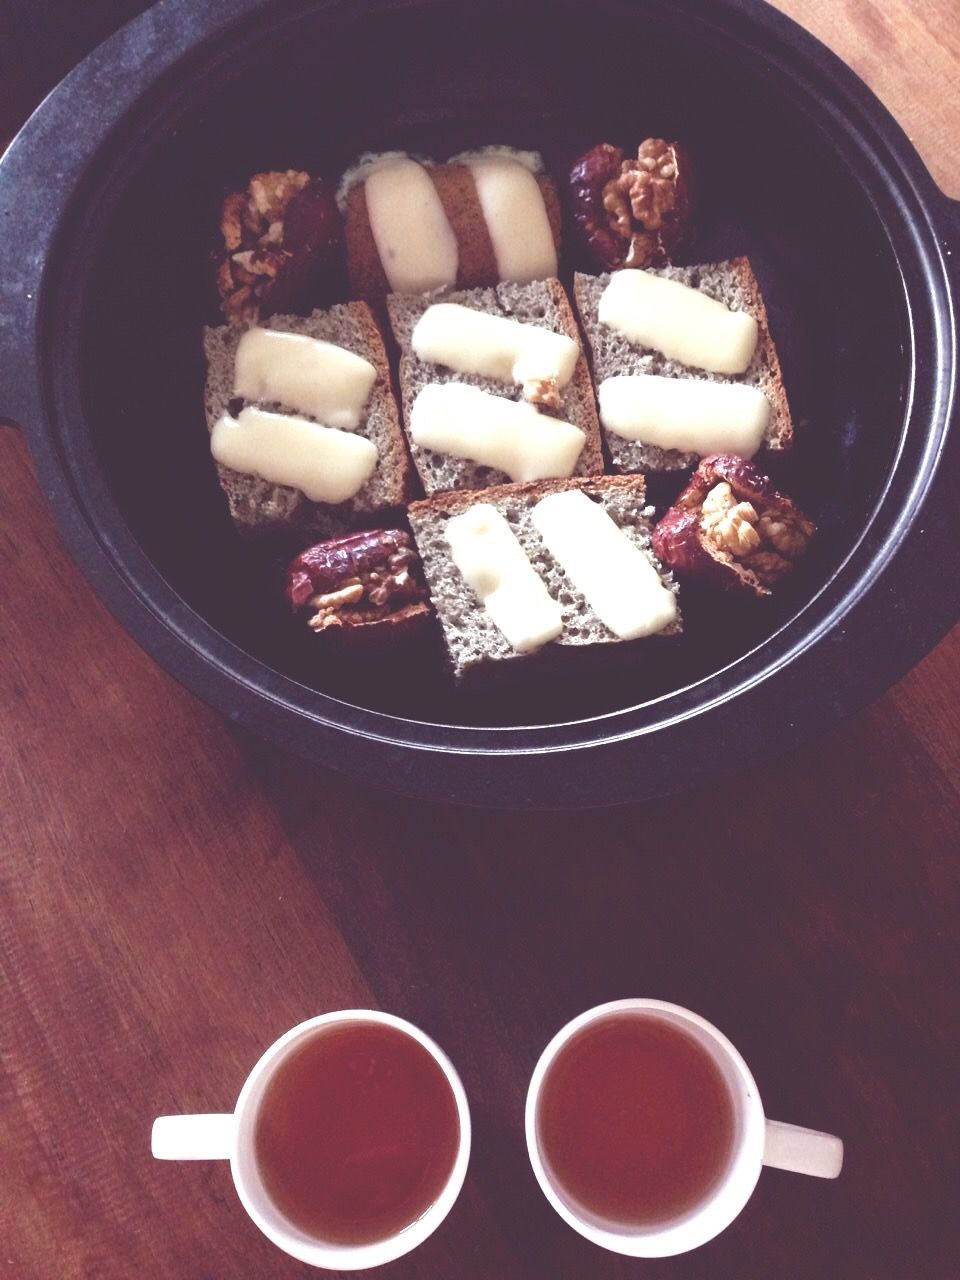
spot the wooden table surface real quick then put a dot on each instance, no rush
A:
(174, 895)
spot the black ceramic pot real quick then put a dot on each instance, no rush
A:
(108, 196)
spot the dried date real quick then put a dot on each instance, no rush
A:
(635, 211)
(359, 580)
(281, 245)
(732, 527)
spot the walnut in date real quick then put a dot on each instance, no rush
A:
(731, 527)
(279, 236)
(634, 211)
(360, 580)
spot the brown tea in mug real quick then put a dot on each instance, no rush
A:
(357, 1133)
(635, 1122)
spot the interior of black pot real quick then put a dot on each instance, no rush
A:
(314, 93)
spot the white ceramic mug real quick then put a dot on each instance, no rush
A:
(758, 1142)
(230, 1137)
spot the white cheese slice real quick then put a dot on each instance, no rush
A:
(493, 564)
(326, 464)
(512, 205)
(465, 422)
(689, 414)
(416, 244)
(305, 374)
(471, 341)
(621, 585)
(683, 323)
(361, 170)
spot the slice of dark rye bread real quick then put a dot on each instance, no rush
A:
(543, 303)
(473, 641)
(259, 507)
(734, 284)
(455, 186)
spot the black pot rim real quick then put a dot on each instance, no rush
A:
(897, 591)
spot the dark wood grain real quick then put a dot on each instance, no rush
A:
(173, 895)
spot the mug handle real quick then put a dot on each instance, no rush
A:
(203, 1137)
(799, 1150)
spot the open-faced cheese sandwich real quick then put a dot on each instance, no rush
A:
(523, 568)
(494, 386)
(412, 225)
(303, 423)
(684, 364)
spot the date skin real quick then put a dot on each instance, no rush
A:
(747, 481)
(324, 567)
(313, 237)
(677, 543)
(589, 175)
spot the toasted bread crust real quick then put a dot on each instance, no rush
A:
(781, 437)
(551, 202)
(364, 269)
(454, 501)
(476, 263)
(406, 483)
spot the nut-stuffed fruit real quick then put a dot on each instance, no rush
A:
(362, 583)
(631, 212)
(281, 237)
(732, 528)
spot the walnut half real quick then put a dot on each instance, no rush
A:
(646, 202)
(729, 523)
(543, 391)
